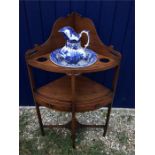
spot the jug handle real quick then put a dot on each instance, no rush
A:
(87, 33)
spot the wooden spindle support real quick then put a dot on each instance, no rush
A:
(32, 84)
(114, 84)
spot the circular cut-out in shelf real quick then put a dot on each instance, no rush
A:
(105, 60)
(42, 59)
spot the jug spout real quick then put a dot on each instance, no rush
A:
(69, 33)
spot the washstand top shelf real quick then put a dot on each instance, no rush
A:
(39, 56)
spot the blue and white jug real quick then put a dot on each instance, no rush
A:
(73, 52)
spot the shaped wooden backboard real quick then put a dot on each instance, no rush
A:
(79, 23)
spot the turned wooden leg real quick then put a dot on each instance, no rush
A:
(114, 84)
(73, 123)
(40, 120)
(107, 120)
(32, 83)
(73, 129)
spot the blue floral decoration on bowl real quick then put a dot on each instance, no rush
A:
(74, 61)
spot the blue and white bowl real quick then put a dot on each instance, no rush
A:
(73, 59)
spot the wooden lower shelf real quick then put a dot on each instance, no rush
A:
(90, 95)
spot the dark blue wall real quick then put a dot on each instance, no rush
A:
(114, 21)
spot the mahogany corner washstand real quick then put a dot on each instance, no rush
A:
(73, 92)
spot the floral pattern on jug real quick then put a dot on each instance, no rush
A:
(73, 54)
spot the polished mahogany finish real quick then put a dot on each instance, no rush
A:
(73, 92)
(58, 94)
